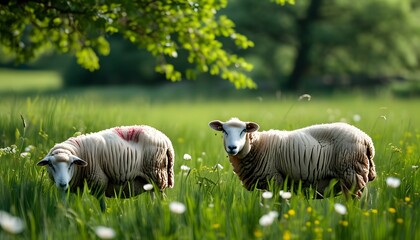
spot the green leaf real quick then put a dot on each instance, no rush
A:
(87, 58)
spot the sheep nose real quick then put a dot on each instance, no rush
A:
(63, 185)
(232, 147)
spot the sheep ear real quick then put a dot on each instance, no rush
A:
(44, 161)
(78, 161)
(252, 127)
(216, 125)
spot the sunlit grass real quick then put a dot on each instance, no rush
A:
(209, 200)
(28, 80)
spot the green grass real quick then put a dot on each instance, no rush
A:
(217, 206)
(28, 80)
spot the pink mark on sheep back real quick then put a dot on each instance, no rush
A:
(130, 134)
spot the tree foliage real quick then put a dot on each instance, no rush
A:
(166, 28)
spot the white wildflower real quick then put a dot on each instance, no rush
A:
(29, 148)
(267, 195)
(104, 232)
(218, 166)
(393, 182)
(266, 220)
(187, 157)
(185, 168)
(11, 224)
(414, 166)
(340, 208)
(285, 195)
(305, 96)
(25, 155)
(177, 207)
(357, 118)
(273, 214)
(13, 149)
(148, 187)
(9, 150)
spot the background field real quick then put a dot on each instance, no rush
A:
(217, 206)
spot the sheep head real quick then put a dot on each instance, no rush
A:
(60, 166)
(234, 134)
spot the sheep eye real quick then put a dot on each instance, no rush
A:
(51, 166)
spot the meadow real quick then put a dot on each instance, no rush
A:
(216, 205)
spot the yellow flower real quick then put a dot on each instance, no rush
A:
(291, 212)
(215, 226)
(407, 199)
(392, 210)
(286, 215)
(308, 224)
(410, 150)
(287, 235)
(375, 211)
(258, 233)
(400, 220)
(309, 209)
(329, 229)
(344, 223)
(316, 222)
(366, 213)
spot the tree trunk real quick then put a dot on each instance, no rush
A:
(305, 40)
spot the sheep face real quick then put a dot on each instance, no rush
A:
(234, 133)
(60, 167)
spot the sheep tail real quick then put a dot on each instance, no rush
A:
(170, 155)
(370, 153)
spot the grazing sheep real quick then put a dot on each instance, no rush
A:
(314, 155)
(115, 161)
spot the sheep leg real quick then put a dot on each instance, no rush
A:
(353, 185)
(102, 203)
(152, 195)
(327, 187)
(278, 178)
(99, 193)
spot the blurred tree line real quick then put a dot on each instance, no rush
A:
(330, 43)
(318, 43)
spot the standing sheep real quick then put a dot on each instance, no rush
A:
(314, 155)
(119, 160)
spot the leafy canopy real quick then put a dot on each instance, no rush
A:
(166, 28)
